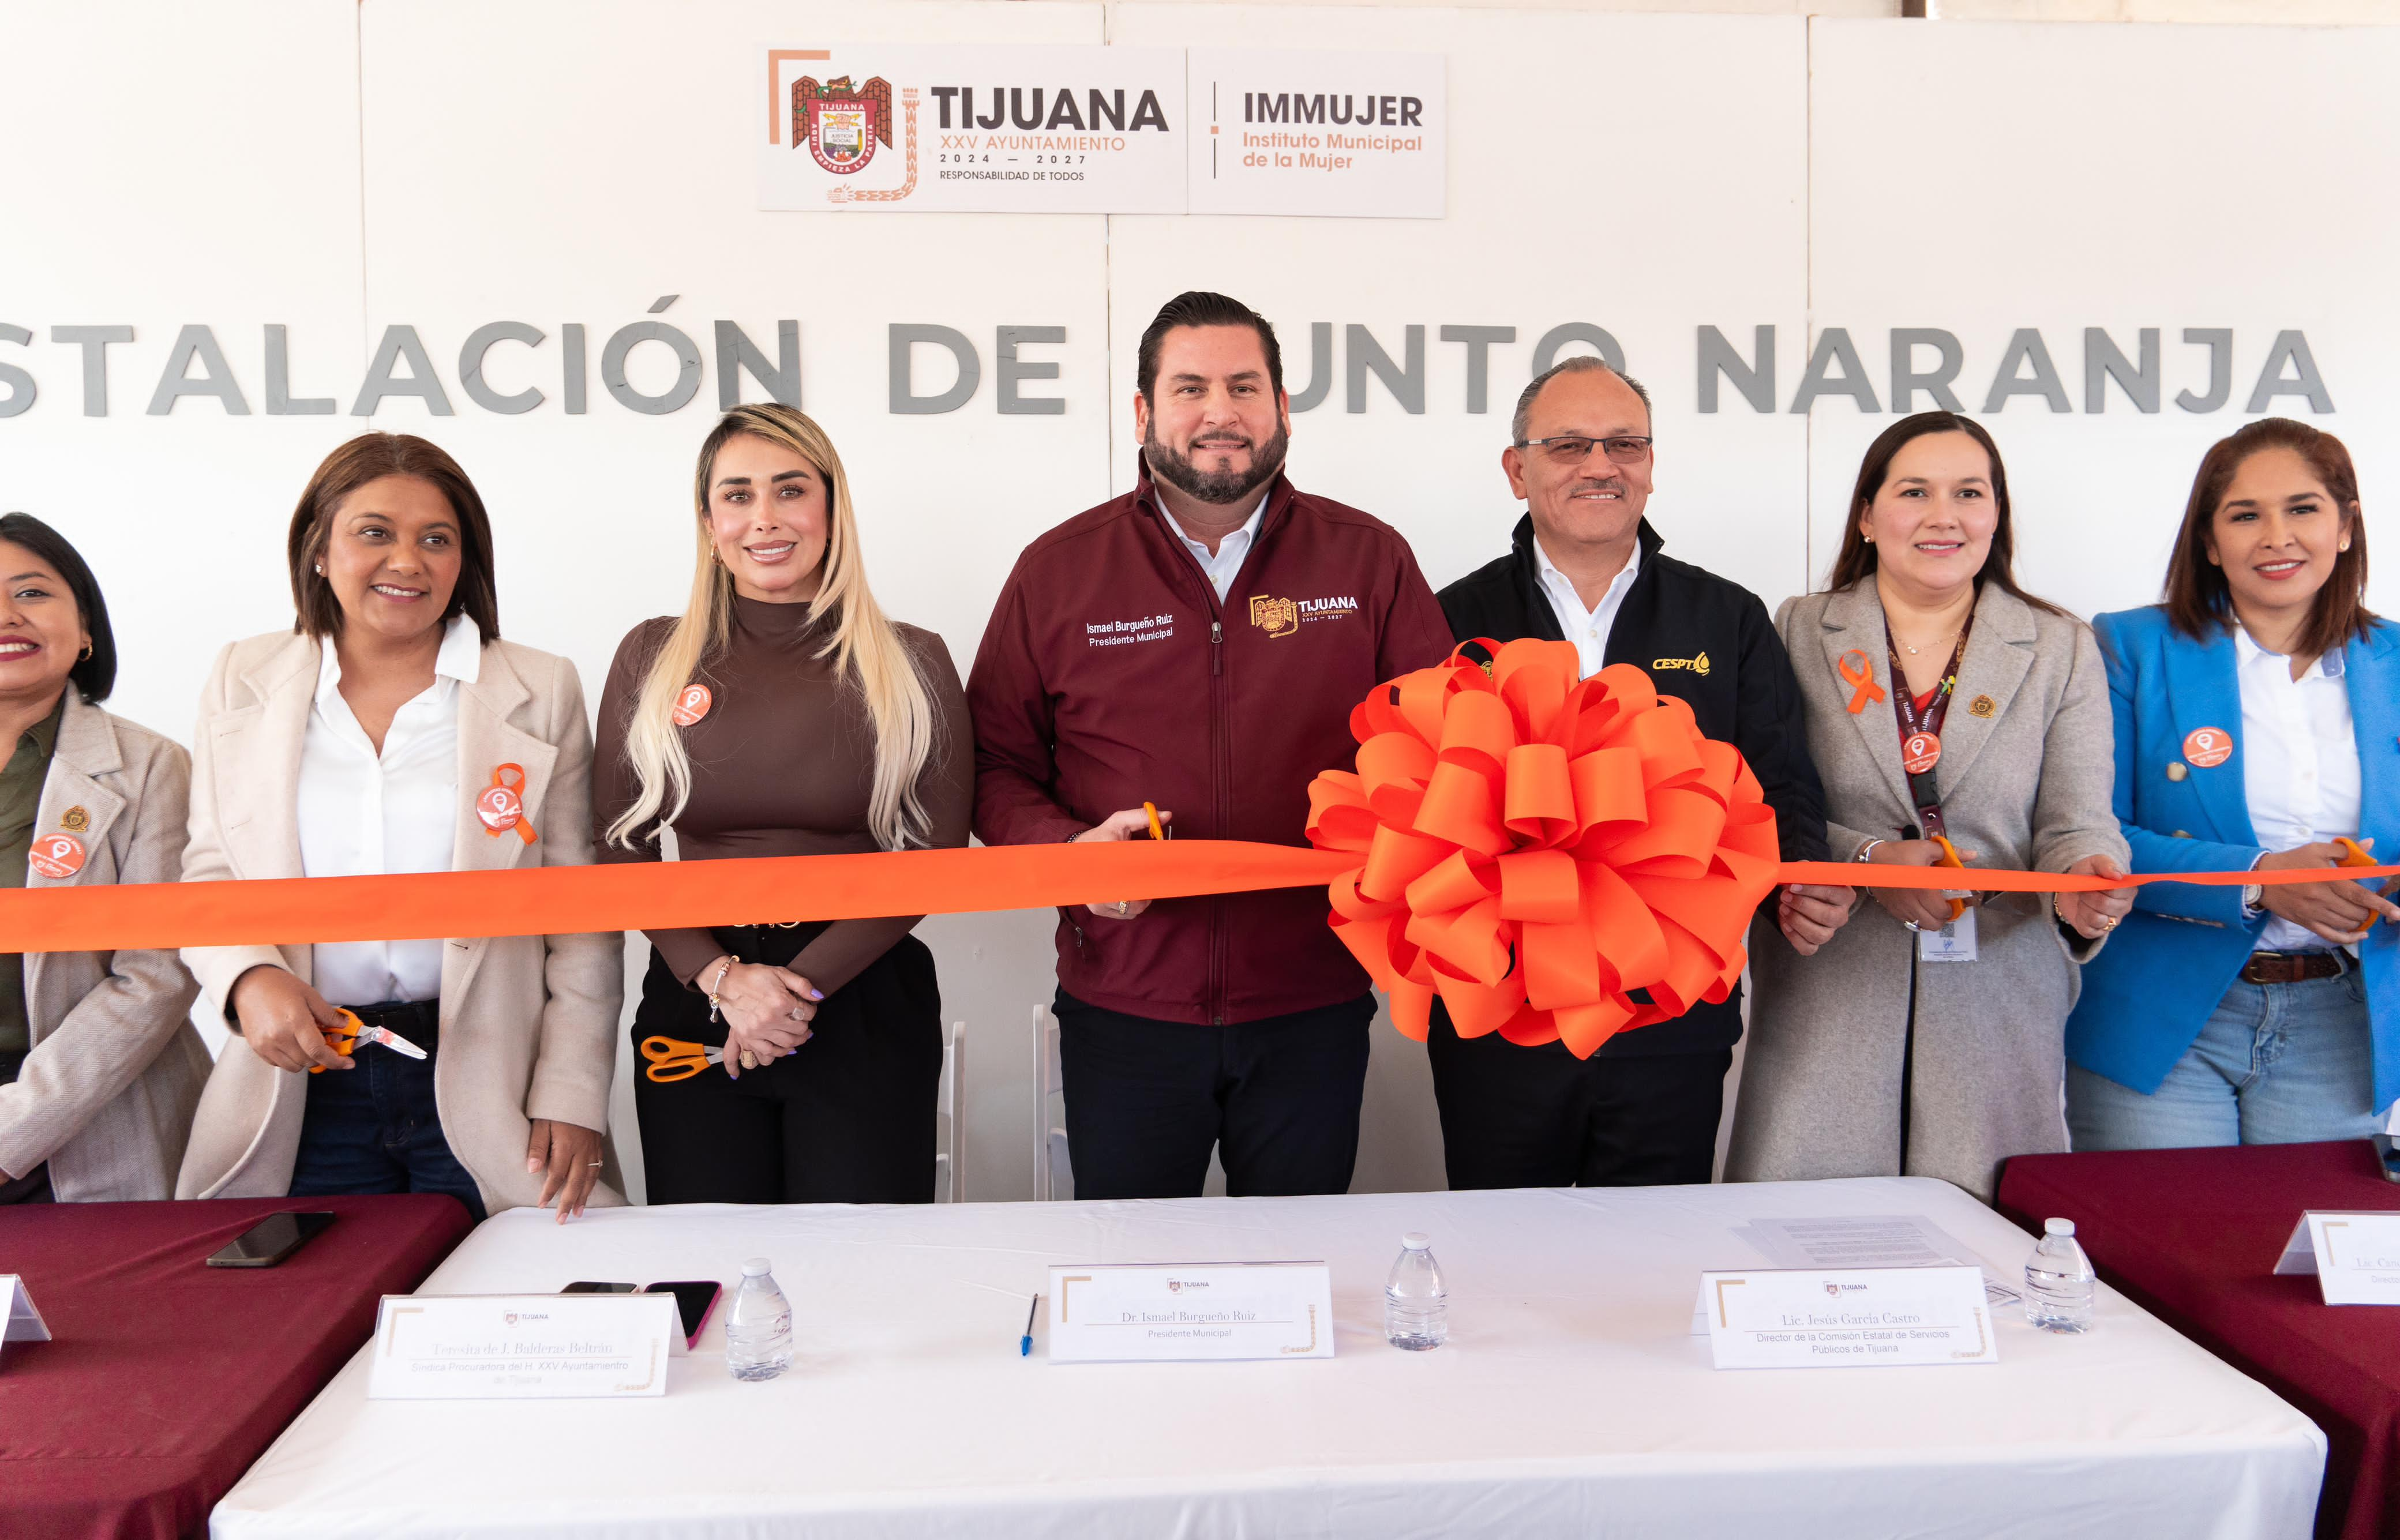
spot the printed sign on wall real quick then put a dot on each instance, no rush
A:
(1101, 129)
(972, 128)
(1283, 131)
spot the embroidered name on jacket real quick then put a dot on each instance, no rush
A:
(1698, 665)
(1282, 617)
(1150, 628)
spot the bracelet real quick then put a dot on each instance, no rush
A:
(722, 968)
(1866, 848)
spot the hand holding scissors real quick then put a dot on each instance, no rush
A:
(353, 1034)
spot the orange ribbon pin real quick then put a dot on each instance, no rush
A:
(1860, 675)
(501, 806)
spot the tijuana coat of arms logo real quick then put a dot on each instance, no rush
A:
(841, 122)
(1276, 617)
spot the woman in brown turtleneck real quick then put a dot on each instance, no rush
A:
(781, 714)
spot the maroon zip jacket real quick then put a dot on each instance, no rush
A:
(1110, 676)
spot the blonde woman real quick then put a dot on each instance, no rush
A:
(783, 714)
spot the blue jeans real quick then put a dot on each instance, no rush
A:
(377, 1129)
(2276, 1063)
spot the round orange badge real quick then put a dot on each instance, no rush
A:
(2205, 748)
(499, 808)
(1919, 752)
(692, 704)
(56, 856)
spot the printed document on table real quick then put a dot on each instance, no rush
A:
(1867, 1240)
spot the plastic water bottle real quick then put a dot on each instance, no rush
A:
(1416, 1311)
(758, 1327)
(2059, 1281)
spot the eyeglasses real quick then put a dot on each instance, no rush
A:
(1573, 449)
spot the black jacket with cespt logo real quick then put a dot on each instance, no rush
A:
(1111, 675)
(1710, 643)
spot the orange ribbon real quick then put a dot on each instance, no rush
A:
(1530, 848)
(501, 805)
(1861, 674)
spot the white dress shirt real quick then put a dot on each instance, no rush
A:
(1224, 563)
(1587, 629)
(367, 815)
(2300, 762)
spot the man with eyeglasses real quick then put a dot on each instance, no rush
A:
(1586, 568)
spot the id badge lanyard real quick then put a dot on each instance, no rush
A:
(1920, 744)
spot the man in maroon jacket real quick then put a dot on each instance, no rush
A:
(1198, 644)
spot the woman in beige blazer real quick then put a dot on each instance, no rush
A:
(99, 1064)
(1941, 699)
(363, 742)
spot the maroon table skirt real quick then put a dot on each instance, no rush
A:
(2192, 1235)
(166, 1378)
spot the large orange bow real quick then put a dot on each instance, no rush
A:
(1534, 848)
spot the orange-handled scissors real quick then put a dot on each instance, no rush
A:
(1157, 829)
(1950, 858)
(672, 1059)
(2355, 854)
(348, 1038)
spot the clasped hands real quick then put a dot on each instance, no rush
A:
(765, 1009)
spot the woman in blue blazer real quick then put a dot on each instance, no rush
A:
(2258, 721)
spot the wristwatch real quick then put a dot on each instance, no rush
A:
(2254, 896)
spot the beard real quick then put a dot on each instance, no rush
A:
(1217, 486)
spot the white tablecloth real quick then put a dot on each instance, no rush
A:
(1571, 1399)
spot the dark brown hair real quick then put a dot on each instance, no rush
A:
(1200, 308)
(1857, 557)
(369, 457)
(95, 676)
(2197, 600)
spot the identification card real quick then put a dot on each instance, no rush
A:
(1132, 1312)
(1953, 943)
(22, 1322)
(2355, 1256)
(503, 1347)
(1816, 1318)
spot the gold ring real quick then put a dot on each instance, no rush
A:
(748, 1060)
(1121, 908)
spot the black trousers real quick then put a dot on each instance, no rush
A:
(850, 1117)
(1540, 1117)
(1147, 1100)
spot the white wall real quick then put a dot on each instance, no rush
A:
(339, 169)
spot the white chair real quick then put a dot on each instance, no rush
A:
(1053, 1175)
(951, 1129)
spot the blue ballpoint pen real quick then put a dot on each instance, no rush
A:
(1025, 1343)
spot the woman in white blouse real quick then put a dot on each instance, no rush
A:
(363, 742)
(2257, 727)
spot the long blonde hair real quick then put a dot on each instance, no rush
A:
(864, 647)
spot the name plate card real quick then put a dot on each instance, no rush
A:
(1812, 1318)
(2355, 1256)
(19, 1322)
(1122, 1312)
(504, 1347)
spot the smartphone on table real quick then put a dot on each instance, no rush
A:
(695, 1302)
(270, 1240)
